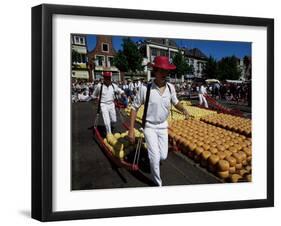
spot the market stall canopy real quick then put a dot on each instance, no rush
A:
(234, 81)
(212, 80)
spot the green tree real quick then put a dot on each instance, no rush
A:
(133, 55)
(210, 69)
(181, 64)
(129, 59)
(120, 61)
(228, 68)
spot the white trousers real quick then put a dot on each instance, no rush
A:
(157, 146)
(202, 99)
(108, 115)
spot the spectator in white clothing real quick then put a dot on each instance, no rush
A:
(201, 95)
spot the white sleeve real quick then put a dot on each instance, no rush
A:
(96, 91)
(174, 95)
(119, 90)
(139, 98)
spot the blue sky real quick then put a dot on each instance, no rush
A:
(217, 49)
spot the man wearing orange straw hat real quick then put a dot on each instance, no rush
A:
(157, 98)
(106, 94)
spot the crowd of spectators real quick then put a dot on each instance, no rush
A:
(232, 92)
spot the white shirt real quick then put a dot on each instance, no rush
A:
(82, 97)
(132, 86)
(202, 90)
(158, 106)
(125, 86)
(107, 96)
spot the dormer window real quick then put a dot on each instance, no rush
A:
(105, 47)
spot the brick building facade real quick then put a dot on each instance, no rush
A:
(101, 58)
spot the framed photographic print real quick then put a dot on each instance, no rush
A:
(145, 112)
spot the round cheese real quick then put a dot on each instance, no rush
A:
(235, 178)
(231, 160)
(223, 165)
(223, 174)
(205, 155)
(213, 159)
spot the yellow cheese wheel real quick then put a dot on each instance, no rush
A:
(243, 155)
(205, 155)
(206, 147)
(248, 151)
(242, 172)
(239, 166)
(244, 162)
(117, 135)
(213, 159)
(124, 134)
(231, 160)
(118, 147)
(223, 174)
(198, 150)
(220, 147)
(228, 153)
(235, 178)
(238, 157)
(223, 165)
(249, 160)
(113, 142)
(221, 154)
(232, 169)
(213, 150)
(192, 146)
(249, 178)
(248, 168)
(233, 149)
(120, 154)
(109, 136)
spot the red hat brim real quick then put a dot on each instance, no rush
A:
(167, 67)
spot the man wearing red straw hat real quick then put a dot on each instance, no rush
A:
(106, 94)
(157, 98)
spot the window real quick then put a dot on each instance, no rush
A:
(82, 40)
(105, 47)
(163, 52)
(99, 60)
(109, 61)
(153, 52)
(83, 58)
(76, 40)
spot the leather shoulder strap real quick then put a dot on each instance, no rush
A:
(98, 111)
(146, 104)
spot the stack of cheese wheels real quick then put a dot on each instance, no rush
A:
(120, 146)
(194, 112)
(221, 151)
(139, 113)
(234, 123)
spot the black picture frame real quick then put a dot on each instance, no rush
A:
(42, 111)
